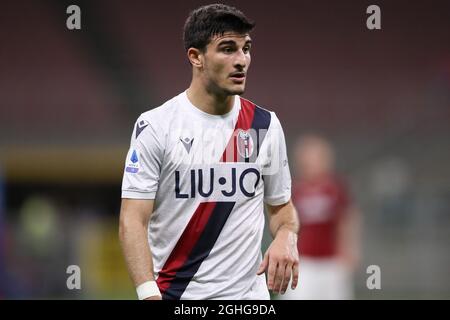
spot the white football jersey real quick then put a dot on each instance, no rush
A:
(209, 176)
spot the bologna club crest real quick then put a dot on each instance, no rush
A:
(244, 144)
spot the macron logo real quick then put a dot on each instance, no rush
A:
(187, 143)
(140, 126)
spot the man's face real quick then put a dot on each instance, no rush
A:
(227, 59)
(315, 158)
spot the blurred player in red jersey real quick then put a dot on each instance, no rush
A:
(328, 241)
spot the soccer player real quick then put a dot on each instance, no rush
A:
(197, 175)
(329, 241)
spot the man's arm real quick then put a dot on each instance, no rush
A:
(281, 258)
(134, 217)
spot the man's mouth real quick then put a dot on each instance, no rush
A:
(237, 76)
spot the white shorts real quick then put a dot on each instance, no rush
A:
(321, 279)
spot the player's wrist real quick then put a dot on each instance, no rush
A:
(147, 289)
(286, 230)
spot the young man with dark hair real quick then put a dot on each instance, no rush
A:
(197, 175)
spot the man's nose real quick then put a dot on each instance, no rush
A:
(240, 60)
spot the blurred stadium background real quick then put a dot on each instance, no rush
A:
(68, 101)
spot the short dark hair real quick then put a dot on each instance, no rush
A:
(214, 19)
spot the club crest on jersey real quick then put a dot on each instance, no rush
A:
(133, 167)
(140, 126)
(245, 144)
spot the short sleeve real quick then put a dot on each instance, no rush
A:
(143, 162)
(277, 180)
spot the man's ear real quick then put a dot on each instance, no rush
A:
(196, 57)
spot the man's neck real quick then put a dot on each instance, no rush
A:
(209, 102)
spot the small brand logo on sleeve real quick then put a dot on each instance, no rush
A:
(140, 126)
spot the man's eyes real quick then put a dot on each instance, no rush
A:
(246, 49)
(227, 49)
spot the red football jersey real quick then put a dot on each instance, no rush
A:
(320, 205)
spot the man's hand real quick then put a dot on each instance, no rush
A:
(134, 218)
(282, 260)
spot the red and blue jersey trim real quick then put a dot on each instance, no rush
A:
(193, 247)
(250, 117)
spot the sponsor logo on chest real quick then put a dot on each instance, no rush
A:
(223, 180)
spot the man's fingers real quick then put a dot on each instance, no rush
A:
(263, 265)
(287, 278)
(271, 274)
(294, 276)
(279, 277)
